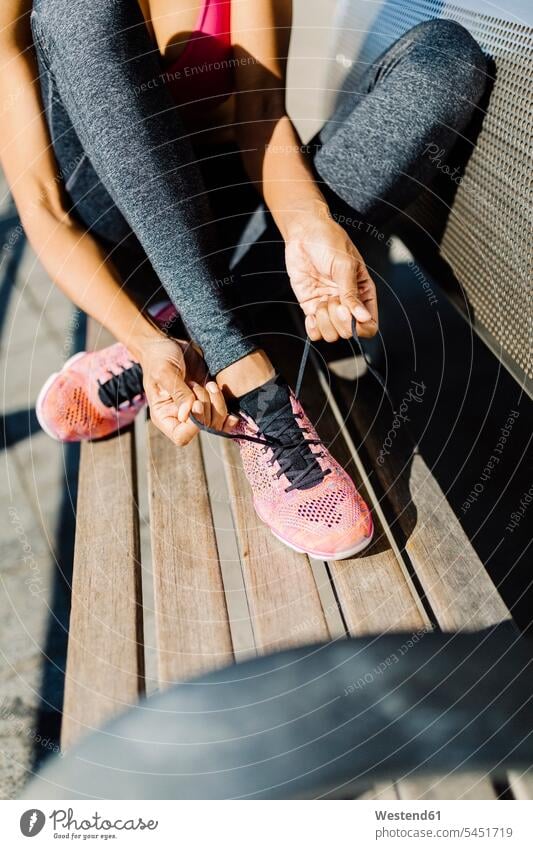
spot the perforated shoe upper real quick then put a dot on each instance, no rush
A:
(96, 395)
(329, 517)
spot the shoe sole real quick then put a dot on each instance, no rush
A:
(322, 555)
(44, 391)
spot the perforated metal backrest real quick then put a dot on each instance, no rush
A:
(488, 238)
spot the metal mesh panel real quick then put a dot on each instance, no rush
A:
(488, 238)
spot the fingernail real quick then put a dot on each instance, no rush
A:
(212, 387)
(183, 412)
(233, 421)
(311, 321)
(198, 408)
(362, 314)
(343, 313)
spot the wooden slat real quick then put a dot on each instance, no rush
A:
(457, 586)
(455, 581)
(192, 625)
(242, 635)
(465, 786)
(374, 589)
(459, 590)
(521, 784)
(105, 663)
(284, 603)
(381, 793)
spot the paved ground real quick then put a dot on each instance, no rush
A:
(36, 329)
(39, 330)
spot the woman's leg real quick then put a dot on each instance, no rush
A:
(422, 91)
(109, 80)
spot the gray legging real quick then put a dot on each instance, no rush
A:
(129, 166)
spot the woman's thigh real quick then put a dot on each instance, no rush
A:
(90, 201)
(422, 91)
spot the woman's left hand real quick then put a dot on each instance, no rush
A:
(330, 279)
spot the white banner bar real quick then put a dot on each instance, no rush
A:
(269, 825)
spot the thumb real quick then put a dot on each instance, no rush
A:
(345, 274)
(170, 383)
(356, 307)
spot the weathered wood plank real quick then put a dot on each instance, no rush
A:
(284, 603)
(521, 784)
(465, 786)
(192, 625)
(460, 592)
(105, 662)
(242, 635)
(381, 793)
(455, 582)
(373, 588)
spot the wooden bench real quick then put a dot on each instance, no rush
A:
(225, 589)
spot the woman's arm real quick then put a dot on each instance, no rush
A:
(72, 257)
(327, 272)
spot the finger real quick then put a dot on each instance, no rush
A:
(311, 328)
(351, 301)
(185, 433)
(180, 433)
(327, 329)
(367, 293)
(340, 317)
(202, 406)
(184, 410)
(231, 423)
(168, 423)
(347, 272)
(169, 382)
(366, 329)
(219, 410)
(165, 415)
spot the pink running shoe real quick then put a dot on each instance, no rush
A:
(300, 491)
(94, 395)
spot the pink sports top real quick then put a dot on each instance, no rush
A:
(204, 70)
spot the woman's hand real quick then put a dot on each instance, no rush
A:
(174, 376)
(330, 279)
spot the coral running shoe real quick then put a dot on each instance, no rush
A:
(97, 394)
(299, 490)
(94, 395)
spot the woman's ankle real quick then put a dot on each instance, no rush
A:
(246, 374)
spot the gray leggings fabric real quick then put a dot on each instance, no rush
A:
(132, 174)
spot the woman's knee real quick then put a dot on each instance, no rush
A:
(453, 48)
(63, 23)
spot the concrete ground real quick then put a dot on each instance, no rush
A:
(39, 330)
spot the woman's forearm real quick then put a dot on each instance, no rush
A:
(275, 160)
(79, 266)
(289, 187)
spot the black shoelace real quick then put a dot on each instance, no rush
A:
(122, 387)
(287, 439)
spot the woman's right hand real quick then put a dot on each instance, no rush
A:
(174, 376)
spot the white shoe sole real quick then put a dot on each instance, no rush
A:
(321, 555)
(44, 390)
